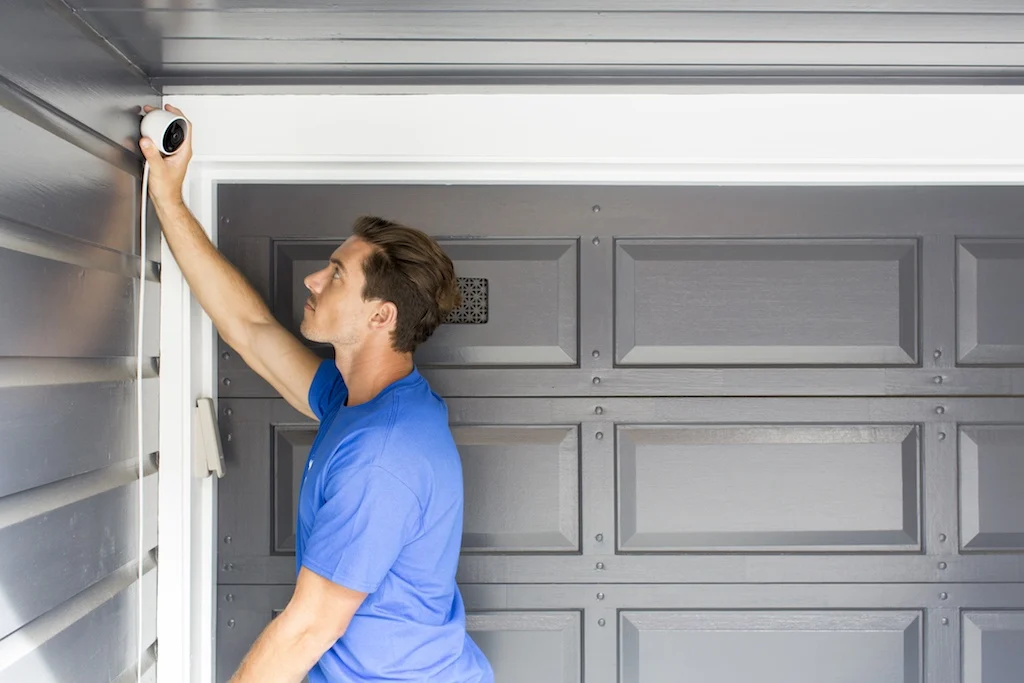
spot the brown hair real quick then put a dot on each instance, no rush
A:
(408, 268)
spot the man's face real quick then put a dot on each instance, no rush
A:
(335, 312)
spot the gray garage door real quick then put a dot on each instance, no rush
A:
(716, 435)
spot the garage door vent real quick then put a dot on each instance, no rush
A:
(473, 310)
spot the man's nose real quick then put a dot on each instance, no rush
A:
(314, 281)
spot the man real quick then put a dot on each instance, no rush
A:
(381, 501)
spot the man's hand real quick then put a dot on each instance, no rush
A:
(316, 617)
(167, 174)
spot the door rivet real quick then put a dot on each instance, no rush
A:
(599, 410)
(599, 436)
(938, 379)
(939, 410)
(943, 596)
(227, 539)
(601, 622)
(595, 353)
(595, 208)
(942, 436)
(942, 538)
(227, 381)
(231, 623)
(597, 241)
(597, 380)
(600, 596)
(942, 565)
(600, 566)
(937, 353)
(230, 597)
(599, 538)
(945, 621)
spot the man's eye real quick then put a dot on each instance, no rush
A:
(337, 275)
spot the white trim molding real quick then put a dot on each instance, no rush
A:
(967, 136)
(615, 138)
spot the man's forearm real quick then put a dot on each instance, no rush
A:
(284, 653)
(223, 292)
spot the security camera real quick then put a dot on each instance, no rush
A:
(166, 130)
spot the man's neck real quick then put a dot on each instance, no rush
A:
(367, 373)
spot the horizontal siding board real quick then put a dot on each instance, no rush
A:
(567, 26)
(55, 432)
(326, 53)
(886, 6)
(51, 557)
(92, 639)
(45, 50)
(95, 202)
(61, 310)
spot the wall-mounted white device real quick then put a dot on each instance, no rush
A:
(166, 129)
(208, 456)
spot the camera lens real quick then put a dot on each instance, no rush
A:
(174, 136)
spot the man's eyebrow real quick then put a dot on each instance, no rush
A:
(341, 266)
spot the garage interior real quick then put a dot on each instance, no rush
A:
(710, 433)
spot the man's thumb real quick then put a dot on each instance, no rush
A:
(149, 150)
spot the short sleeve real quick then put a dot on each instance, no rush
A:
(368, 516)
(328, 390)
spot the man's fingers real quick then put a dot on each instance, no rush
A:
(174, 110)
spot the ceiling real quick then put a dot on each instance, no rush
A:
(568, 41)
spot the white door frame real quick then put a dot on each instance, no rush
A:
(962, 137)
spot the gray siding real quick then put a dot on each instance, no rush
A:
(70, 186)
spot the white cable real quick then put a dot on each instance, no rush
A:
(140, 425)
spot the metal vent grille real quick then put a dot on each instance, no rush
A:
(473, 310)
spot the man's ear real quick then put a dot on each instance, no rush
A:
(385, 316)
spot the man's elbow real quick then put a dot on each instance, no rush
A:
(312, 634)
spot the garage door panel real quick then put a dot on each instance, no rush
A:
(763, 302)
(993, 646)
(291, 450)
(774, 647)
(990, 310)
(521, 487)
(541, 647)
(991, 468)
(768, 488)
(529, 312)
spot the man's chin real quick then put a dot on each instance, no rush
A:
(308, 334)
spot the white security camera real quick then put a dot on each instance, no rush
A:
(166, 130)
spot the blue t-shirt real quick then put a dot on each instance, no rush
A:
(380, 511)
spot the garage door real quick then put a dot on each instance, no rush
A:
(708, 434)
